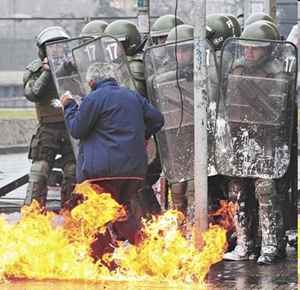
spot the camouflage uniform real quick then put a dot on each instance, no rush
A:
(219, 27)
(51, 137)
(136, 66)
(269, 193)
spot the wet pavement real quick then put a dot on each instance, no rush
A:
(222, 276)
(249, 275)
(13, 166)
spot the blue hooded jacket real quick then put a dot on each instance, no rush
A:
(112, 123)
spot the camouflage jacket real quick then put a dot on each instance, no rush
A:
(40, 89)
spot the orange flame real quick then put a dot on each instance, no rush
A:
(167, 255)
(44, 245)
(224, 215)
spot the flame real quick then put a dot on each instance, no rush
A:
(224, 215)
(86, 215)
(45, 245)
(36, 248)
(165, 254)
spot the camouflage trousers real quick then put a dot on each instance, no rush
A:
(259, 216)
(50, 141)
(182, 198)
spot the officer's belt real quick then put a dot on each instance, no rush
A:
(56, 126)
(50, 119)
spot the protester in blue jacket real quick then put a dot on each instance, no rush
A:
(112, 124)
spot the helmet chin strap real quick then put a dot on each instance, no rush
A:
(42, 52)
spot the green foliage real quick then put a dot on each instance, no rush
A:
(17, 114)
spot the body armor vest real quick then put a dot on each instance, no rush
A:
(43, 94)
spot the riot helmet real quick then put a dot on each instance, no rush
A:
(276, 31)
(162, 26)
(219, 28)
(127, 33)
(183, 31)
(184, 52)
(256, 51)
(94, 28)
(257, 17)
(49, 34)
(261, 30)
(236, 25)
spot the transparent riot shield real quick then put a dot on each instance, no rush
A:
(169, 75)
(64, 72)
(256, 108)
(63, 68)
(104, 51)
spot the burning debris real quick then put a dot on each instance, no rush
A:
(45, 245)
(224, 217)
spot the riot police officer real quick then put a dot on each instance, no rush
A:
(181, 192)
(219, 28)
(259, 61)
(158, 35)
(51, 137)
(94, 28)
(127, 33)
(161, 27)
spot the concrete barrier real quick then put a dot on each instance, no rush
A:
(16, 134)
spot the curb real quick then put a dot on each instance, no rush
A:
(14, 149)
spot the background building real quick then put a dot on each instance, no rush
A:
(21, 22)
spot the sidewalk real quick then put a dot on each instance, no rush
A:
(20, 148)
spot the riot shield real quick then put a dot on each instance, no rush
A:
(256, 106)
(64, 71)
(104, 50)
(63, 67)
(170, 88)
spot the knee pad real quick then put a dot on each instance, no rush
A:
(70, 170)
(39, 171)
(37, 186)
(265, 189)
